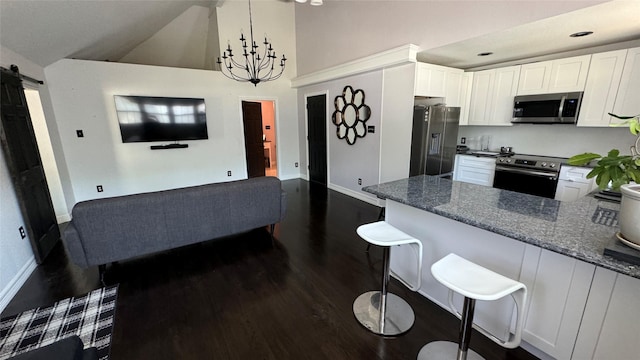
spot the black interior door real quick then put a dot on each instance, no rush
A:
(25, 166)
(317, 138)
(253, 143)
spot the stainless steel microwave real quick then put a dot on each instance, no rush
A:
(560, 108)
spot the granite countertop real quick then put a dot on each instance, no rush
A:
(579, 229)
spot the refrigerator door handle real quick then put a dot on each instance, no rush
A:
(435, 144)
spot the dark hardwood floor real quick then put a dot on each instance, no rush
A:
(242, 298)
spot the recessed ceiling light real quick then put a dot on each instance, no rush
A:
(581, 34)
(485, 53)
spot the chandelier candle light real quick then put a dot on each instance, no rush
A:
(258, 69)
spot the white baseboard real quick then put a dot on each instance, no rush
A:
(289, 177)
(63, 218)
(358, 195)
(16, 283)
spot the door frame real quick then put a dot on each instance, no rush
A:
(276, 114)
(305, 174)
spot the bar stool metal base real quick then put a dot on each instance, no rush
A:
(399, 316)
(445, 350)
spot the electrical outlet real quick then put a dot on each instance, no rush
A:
(463, 140)
(80, 133)
(99, 188)
(359, 181)
(23, 234)
(229, 173)
(296, 164)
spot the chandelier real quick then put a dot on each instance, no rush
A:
(256, 68)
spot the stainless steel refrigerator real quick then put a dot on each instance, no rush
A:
(434, 139)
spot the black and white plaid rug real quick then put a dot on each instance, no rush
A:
(89, 316)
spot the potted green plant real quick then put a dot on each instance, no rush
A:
(623, 173)
(615, 168)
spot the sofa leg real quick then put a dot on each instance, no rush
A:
(101, 270)
(272, 228)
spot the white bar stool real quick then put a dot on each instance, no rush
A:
(381, 312)
(474, 282)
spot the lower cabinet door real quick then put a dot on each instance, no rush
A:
(571, 190)
(611, 325)
(558, 287)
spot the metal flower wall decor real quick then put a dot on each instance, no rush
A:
(351, 115)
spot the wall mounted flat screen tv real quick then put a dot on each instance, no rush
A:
(147, 118)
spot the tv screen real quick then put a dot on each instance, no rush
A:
(147, 118)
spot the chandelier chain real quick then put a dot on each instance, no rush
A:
(258, 69)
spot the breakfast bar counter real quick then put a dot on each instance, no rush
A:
(579, 229)
(581, 304)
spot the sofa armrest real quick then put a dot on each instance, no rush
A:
(74, 247)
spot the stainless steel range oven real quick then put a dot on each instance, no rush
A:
(529, 174)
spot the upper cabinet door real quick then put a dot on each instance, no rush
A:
(534, 78)
(465, 97)
(627, 101)
(481, 91)
(605, 72)
(570, 74)
(505, 86)
(562, 75)
(438, 81)
(430, 80)
(492, 96)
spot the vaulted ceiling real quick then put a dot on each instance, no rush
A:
(45, 31)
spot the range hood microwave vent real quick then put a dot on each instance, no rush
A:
(559, 108)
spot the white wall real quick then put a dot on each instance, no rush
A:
(347, 162)
(340, 31)
(82, 97)
(553, 140)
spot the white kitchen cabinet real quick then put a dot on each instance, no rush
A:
(438, 81)
(558, 287)
(627, 103)
(611, 323)
(534, 78)
(481, 97)
(554, 76)
(605, 72)
(465, 97)
(492, 95)
(505, 87)
(573, 183)
(473, 169)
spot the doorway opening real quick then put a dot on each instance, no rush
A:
(43, 140)
(259, 119)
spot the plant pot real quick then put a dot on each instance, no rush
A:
(630, 212)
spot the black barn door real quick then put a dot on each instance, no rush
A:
(253, 143)
(25, 166)
(317, 138)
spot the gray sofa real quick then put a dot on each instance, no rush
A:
(112, 229)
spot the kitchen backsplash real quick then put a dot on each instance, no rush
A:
(550, 140)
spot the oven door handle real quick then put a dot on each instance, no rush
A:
(553, 176)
